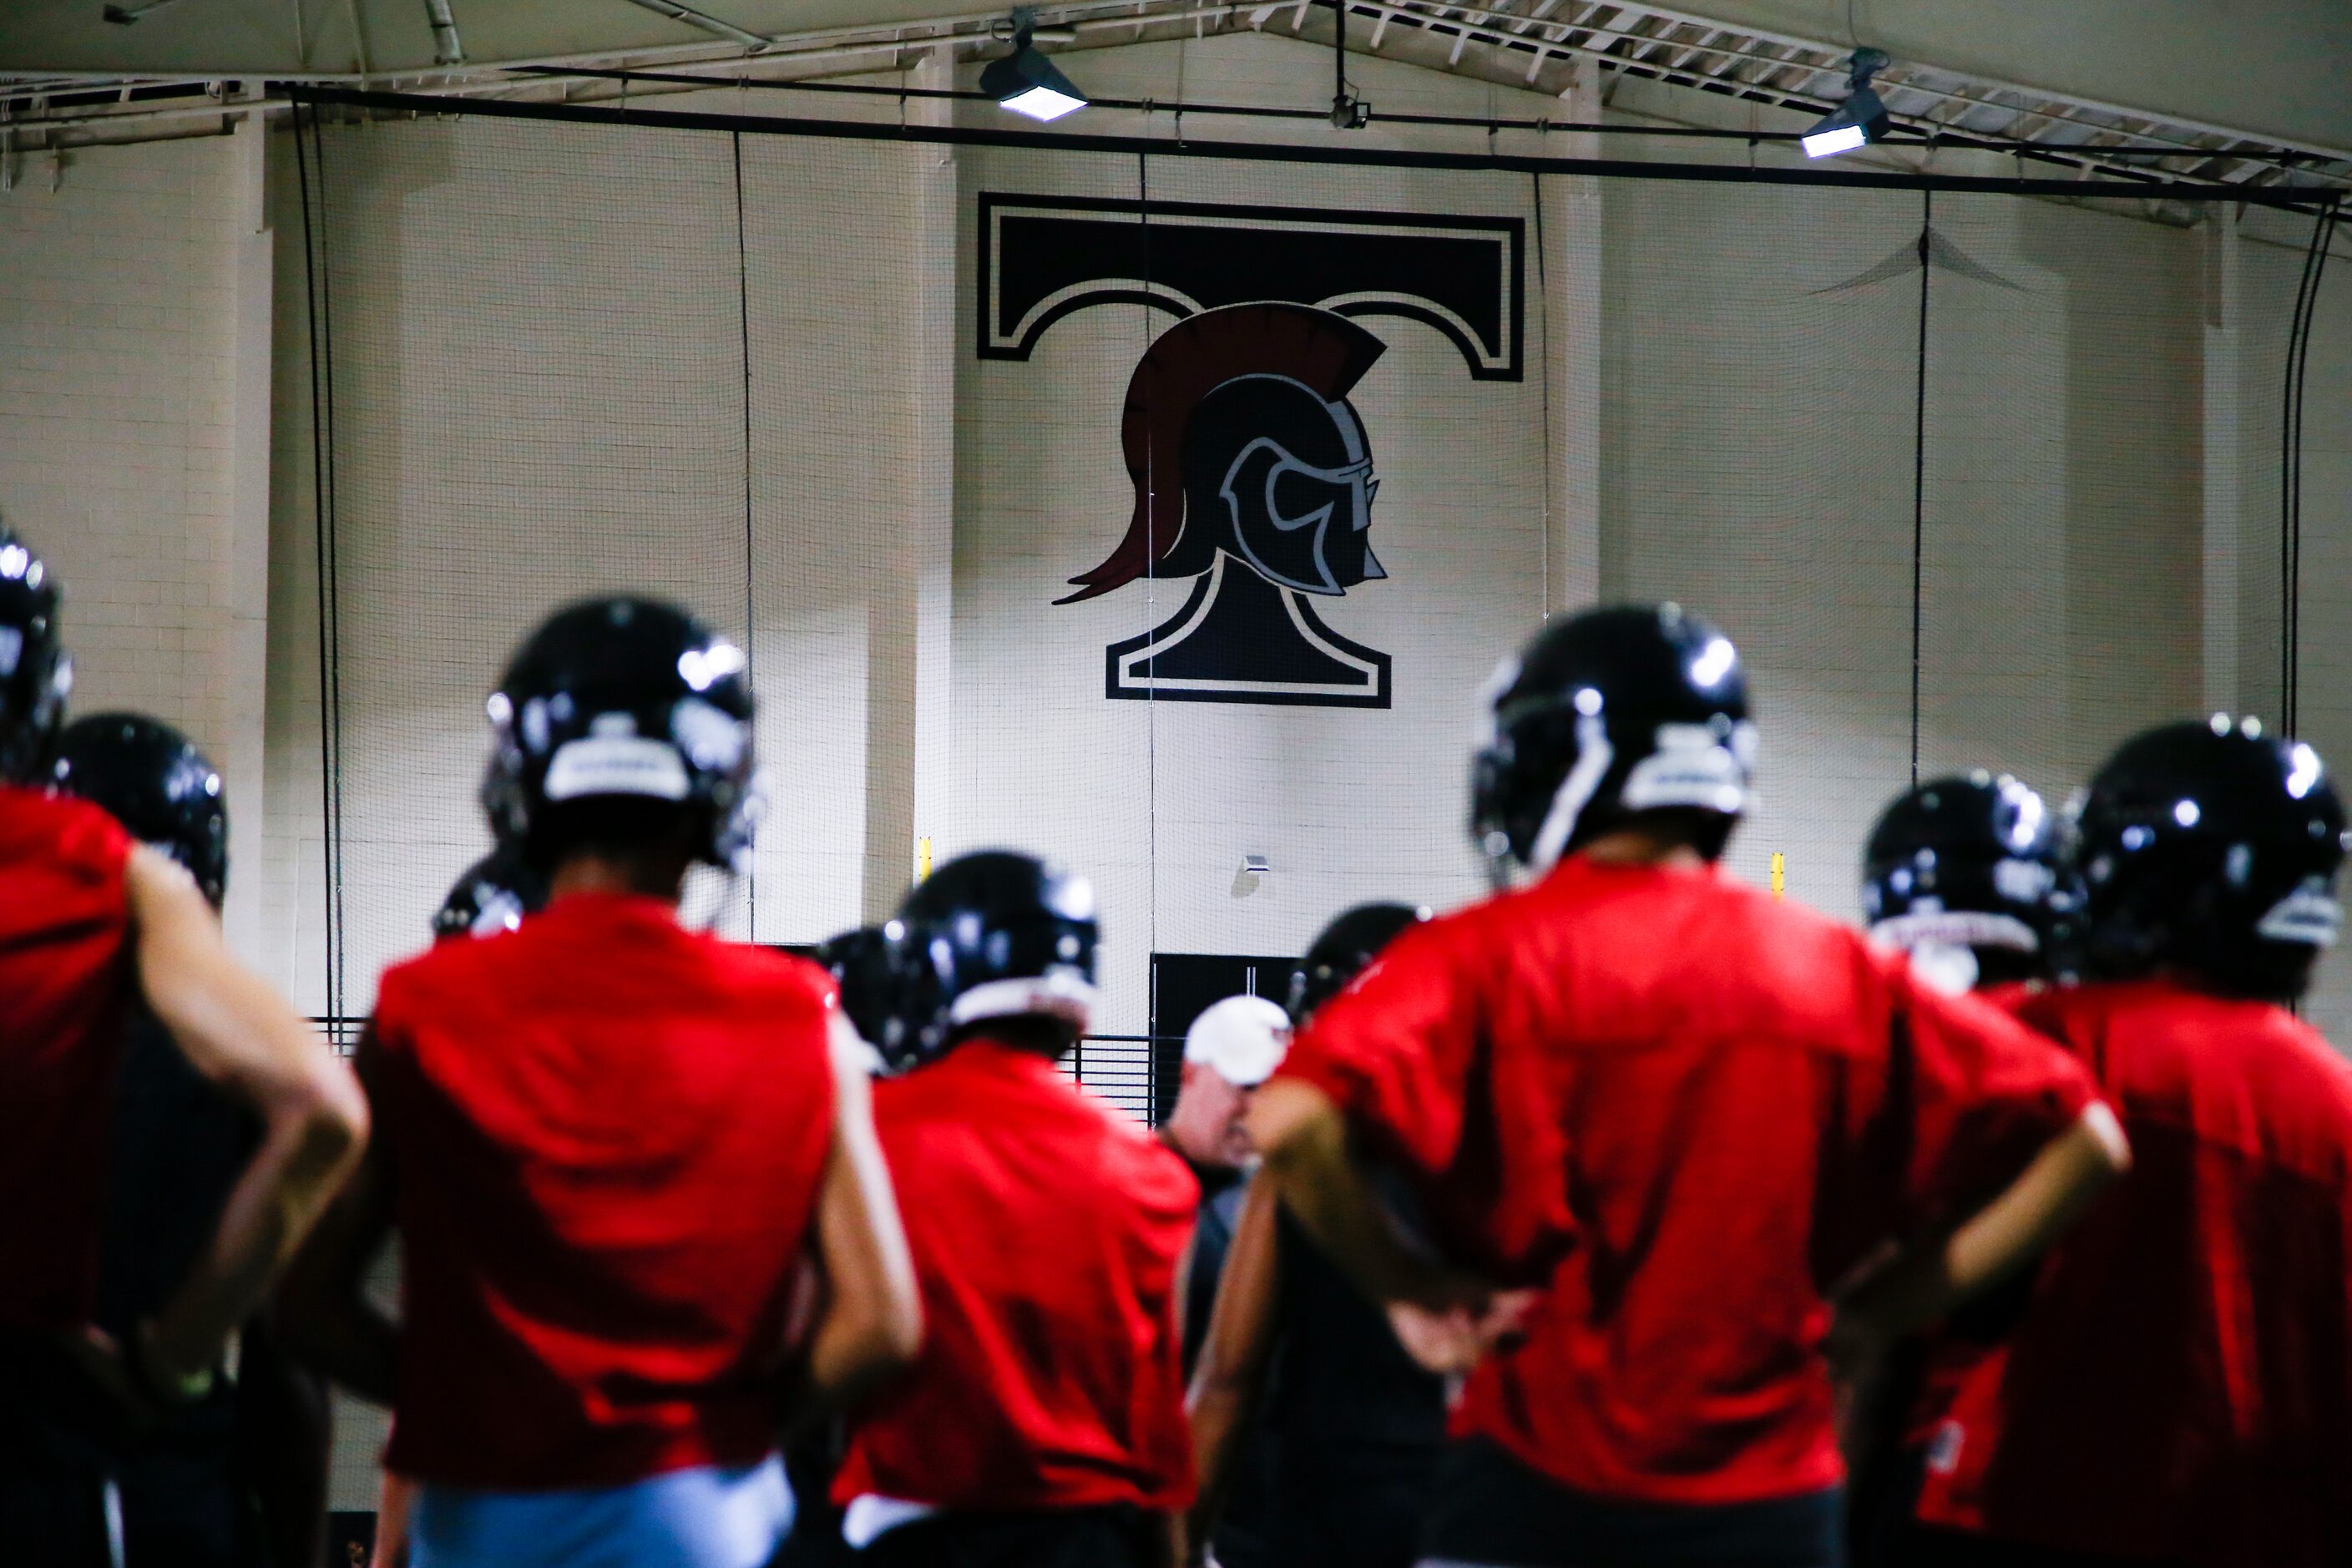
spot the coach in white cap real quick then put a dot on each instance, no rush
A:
(1232, 1047)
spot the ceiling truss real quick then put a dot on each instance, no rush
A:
(1538, 45)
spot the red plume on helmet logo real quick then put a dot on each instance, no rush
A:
(1240, 440)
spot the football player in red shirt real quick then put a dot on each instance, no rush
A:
(1966, 876)
(92, 921)
(241, 1475)
(2179, 1389)
(611, 1147)
(1043, 1425)
(1676, 1111)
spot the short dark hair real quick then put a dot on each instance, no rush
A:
(1039, 1032)
(1706, 832)
(611, 824)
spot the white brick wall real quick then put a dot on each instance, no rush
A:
(115, 384)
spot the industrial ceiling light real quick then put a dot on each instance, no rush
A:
(1027, 82)
(1861, 118)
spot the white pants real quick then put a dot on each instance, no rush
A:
(705, 1517)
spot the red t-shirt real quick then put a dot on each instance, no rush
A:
(66, 977)
(1688, 1111)
(607, 1135)
(2180, 1386)
(1048, 1232)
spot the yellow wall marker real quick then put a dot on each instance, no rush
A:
(923, 859)
(1779, 873)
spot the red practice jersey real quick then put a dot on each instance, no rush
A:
(2180, 1386)
(1687, 1110)
(1048, 1232)
(66, 979)
(607, 1134)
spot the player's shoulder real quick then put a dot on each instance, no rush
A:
(2313, 1073)
(771, 970)
(59, 833)
(451, 970)
(1152, 1172)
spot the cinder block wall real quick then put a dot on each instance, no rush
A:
(115, 403)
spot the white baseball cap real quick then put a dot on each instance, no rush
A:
(1241, 1039)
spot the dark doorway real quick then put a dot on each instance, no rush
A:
(1183, 985)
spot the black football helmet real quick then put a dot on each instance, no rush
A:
(1343, 950)
(994, 935)
(2211, 849)
(491, 895)
(1606, 715)
(36, 671)
(864, 964)
(625, 696)
(1969, 872)
(153, 780)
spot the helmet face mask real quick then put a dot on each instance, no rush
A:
(1303, 521)
(2212, 851)
(1606, 716)
(628, 697)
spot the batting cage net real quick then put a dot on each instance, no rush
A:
(1161, 504)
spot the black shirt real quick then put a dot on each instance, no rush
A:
(1223, 1188)
(1342, 1377)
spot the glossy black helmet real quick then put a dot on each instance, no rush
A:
(2211, 849)
(1604, 716)
(1343, 950)
(153, 780)
(864, 964)
(624, 697)
(491, 895)
(1968, 872)
(995, 935)
(35, 673)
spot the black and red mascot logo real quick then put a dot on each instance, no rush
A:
(1253, 471)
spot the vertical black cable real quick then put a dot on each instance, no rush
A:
(744, 323)
(1543, 315)
(1920, 471)
(2298, 361)
(322, 481)
(1151, 690)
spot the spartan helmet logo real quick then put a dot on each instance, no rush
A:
(1252, 473)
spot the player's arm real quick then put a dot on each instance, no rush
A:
(325, 1314)
(236, 1031)
(870, 1323)
(1230, 1376)
(1927, 1281)
(1304, 1138)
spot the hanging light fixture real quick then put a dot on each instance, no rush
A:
(1861, 118)
(1027, 82)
